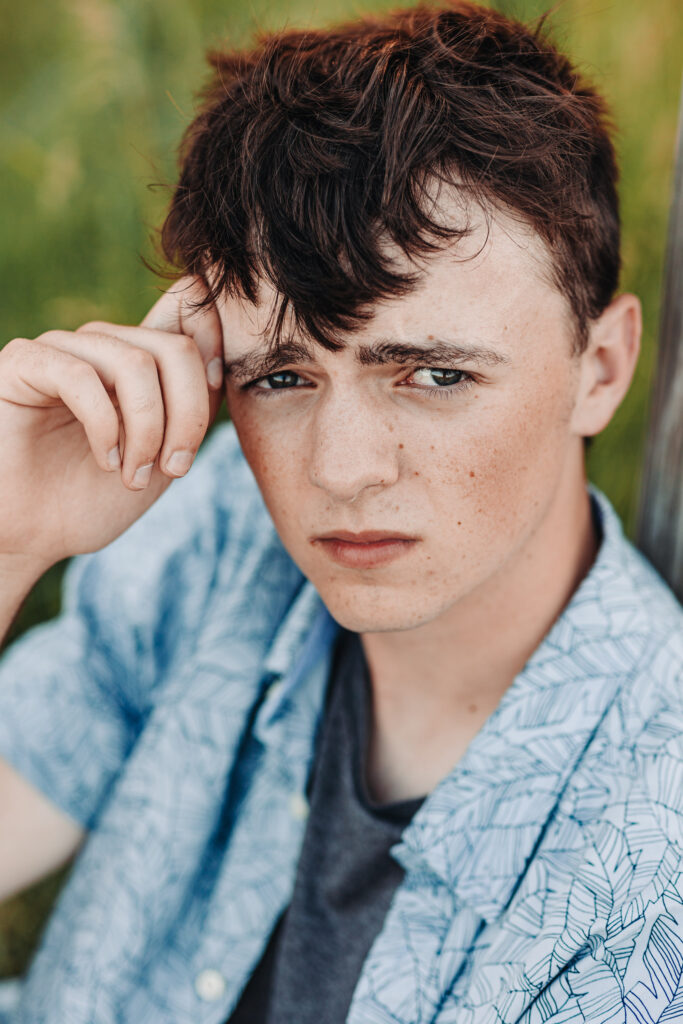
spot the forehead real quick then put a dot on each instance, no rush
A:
(494, 284)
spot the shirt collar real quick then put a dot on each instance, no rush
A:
(478, 828)
(305, 636)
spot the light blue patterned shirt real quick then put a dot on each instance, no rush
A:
(172, 709)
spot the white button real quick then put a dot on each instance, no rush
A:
(274, 688)
(298, 806)
(209, 985)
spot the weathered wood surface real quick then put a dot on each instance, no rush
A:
(660, 526)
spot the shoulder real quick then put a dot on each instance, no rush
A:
(631, 621)
(628, 787)
(617, 835)
(633, 602)
(645, 726)
(623, 806)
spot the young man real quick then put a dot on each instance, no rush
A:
(374, 716)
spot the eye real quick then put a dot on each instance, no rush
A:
(439, 376)
(439, 381)
(278, 381)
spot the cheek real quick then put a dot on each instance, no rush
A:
(500, 470)
(254, 442)
(276, 465)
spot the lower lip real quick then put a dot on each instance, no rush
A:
(365, 556)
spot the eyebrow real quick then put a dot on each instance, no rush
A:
(435, 352)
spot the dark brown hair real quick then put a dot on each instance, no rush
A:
(313, 148)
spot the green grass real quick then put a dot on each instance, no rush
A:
(94, 95)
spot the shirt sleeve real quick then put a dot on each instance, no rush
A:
(74, 692)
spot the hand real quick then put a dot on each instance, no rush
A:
(91, 421)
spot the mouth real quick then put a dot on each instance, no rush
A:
(364, 550)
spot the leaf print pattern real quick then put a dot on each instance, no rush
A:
(172, 710)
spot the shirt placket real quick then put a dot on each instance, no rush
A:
(258, 871)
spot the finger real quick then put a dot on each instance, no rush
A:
(179, 375)
(132, 373)
(47, 375)
(176, 313)
(163, 345)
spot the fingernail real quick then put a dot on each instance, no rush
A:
(143, 475)
(214, 372)
(179, 462)
(114, 458)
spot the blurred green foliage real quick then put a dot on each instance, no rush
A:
(94, 95)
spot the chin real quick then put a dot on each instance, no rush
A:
(369, 613)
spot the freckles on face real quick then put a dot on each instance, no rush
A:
(494, 473)
(470, 477)
(472, 491)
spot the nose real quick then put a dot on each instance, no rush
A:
(352, 447)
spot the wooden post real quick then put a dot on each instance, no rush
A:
(660, 525)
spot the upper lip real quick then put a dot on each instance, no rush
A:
(365, 537)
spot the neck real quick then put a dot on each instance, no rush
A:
(434, 686)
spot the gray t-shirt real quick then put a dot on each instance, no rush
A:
(345, 877)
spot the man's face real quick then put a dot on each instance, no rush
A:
(461, 449)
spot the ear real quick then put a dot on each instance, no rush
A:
(607, 365)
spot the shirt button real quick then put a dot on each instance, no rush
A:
(298, 806)
(209, 985)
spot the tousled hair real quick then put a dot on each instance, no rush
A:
(313, 148)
